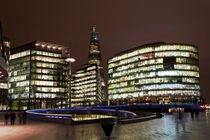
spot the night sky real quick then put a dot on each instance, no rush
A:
(122, 24)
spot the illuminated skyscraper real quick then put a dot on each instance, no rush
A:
(88, 86)
(38, 76)
(94, 49)
(94, 57)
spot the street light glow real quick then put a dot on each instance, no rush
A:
(70, 60)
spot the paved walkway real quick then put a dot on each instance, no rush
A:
(32, 129)
(40, 130)
(167, 128)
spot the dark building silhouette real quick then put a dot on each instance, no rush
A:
(4, 57)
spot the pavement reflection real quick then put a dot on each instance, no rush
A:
(170, 127)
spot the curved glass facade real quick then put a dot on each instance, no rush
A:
(154, 70)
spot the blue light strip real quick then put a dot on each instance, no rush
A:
(43, 112)
(171, 105)
(50, 116)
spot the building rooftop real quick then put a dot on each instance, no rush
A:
(41, 44)
(150, 45)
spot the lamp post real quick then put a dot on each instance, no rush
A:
(69, 60)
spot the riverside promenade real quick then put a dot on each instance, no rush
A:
(168, 127)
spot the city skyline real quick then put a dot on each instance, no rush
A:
(120, 26)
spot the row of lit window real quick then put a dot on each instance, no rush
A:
(48, 65)
(37, 95)
(156, 55)
(84, 74)
(186, 67)
(48, 59)
(44, 95)
(175, 54)
(155, 93)
(151, 81)
(139, 63)
(154, 87)
(167, 86)
(91, 68)
(48, 77)
(149, 62)
(19, 90)
(18, 78)
(20, 54)
(20, 96)
(85, 86)
(22, 71)
(50, 89)
(45, 77)
(19, 60)
(85, 82)
(48, 71)
(76, 104)
(85, 78)
(3, 86)
(153, 67)
(143, 71)
(85, 90)
(153, 49)
(22, 83)
(83, 99)
(40, 83)
(44, 83)
(82, 95)
(46, 53)
(131, 66)
(23, 65)
(155, 74)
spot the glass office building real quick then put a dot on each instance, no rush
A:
(38, 76)
(86, 86)
(158, 72)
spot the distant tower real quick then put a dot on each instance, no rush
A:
(94, 56)
(94, 49)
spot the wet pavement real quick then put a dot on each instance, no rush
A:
(167, 128)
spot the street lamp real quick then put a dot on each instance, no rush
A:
(70, 60)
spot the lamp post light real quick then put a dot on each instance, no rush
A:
(69, 60)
